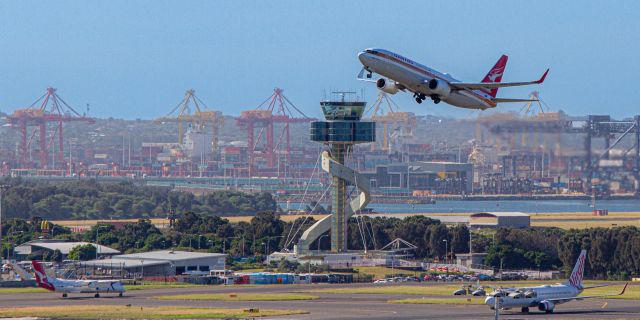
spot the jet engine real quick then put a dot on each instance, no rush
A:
(439, 88)
(546, 306)
(387, 86)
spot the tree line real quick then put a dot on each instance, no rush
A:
(613, 253)
(88, 199)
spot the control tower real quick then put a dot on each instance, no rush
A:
(340, 131)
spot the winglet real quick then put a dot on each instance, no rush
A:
(543, 77)
(624, 289)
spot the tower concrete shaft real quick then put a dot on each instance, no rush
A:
(339, 219)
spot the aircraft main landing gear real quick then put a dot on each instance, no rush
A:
(64, 295)
(120, 294)
(97, 295)
(435, 99)
(419, 97)
(525, 310)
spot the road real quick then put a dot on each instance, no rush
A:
(332, 306)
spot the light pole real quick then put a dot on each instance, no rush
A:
(446, 249)
(97, 244)
(269, 239)
(324, 235)
(142, 270)
(2, 188)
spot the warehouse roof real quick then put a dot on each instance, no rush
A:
(64, 247)
(125, 263)
(169, 255)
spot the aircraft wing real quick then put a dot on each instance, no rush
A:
(493, 85)
(590, 297)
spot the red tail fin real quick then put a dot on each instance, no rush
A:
(41, 276)
(495, 74)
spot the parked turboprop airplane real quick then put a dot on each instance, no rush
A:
(75, 286)
(402, 74)
(546, 297)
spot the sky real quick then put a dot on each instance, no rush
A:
(135, 59)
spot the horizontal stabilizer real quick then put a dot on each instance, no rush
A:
(504, 100)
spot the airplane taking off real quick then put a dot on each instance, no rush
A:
(546, 297)
(402, 74)
(75, 286)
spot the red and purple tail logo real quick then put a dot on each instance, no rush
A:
(578, 271)
(495, 74)
(41, 276)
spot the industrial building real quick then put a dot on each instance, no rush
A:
(499, 220)
(38, 248)
(160, 263)
(438, 177)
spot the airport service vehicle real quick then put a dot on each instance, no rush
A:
(403, 74)
(75, 286)
(546, 297)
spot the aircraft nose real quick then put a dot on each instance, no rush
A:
(362, 56)
(489, 301)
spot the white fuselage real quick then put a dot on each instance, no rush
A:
(86, 286)
(415, 77)
(540, 294)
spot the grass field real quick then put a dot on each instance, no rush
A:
(380, 272)
(241, 297)
(585, 224)
(160, 286)
(443, 290)
(133, 312)
(454, 301)
(446, 290)
(605, 221)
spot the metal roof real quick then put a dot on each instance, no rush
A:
(64, 247)
(169, 255)
(124, 263)
(498, 214)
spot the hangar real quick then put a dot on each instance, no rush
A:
(161, 263)
(500, 219)
(37, 248)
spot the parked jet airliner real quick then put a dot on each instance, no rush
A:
(402, 74)
(75, 286)
(546, 297)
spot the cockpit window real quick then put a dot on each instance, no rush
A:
(371, 51)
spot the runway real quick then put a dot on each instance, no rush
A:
(331, 306)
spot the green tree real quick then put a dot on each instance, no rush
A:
(82, 252)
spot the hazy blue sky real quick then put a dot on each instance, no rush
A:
(131, 59)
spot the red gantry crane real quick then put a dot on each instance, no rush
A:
(52, 109)
(263, 146)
